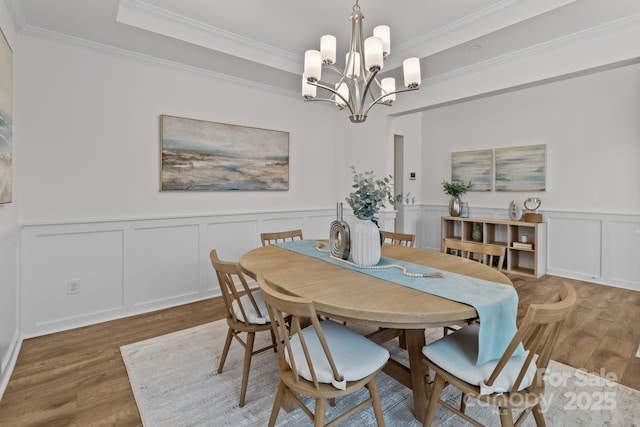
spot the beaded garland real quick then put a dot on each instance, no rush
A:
(402, 268)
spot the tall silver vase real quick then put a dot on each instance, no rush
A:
(455, 206)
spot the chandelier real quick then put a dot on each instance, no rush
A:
(357, 88)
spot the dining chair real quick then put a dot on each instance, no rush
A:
(403, 239)
(491, 255)
(511, 382)
(280, 236)
(246, 314)
(323, 360)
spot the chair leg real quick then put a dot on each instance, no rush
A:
(248, 352)
(319, 412)
(225, 350)
(538, 415)
(372, 386)
(506, 417)
(463, 403)
(277, 403)
(436, 391)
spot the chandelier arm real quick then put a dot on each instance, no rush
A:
(320, 85)
(387, 94)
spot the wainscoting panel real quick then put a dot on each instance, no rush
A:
(163, 263)
(575, 247)
(9, 303)
(126, 267)
(625, 252)
(230, 240)
(58, 259)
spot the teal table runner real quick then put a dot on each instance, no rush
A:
(496, 304)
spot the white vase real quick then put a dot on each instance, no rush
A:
(365, 242)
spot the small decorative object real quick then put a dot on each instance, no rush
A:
(369, 196)
(476, 233)
(515, 211)
(464, 210)
(340, 236)
(531, 204)
(455, 189)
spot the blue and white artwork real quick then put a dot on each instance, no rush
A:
(473, 166)
(203, 155)
(521, 168)
(6, 121)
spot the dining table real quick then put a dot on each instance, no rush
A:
(344, 292)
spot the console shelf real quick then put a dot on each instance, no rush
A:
(526, 259)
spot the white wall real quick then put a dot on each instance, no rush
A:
(589, 125)
(9, 250)
(592, 203)
(90, 131)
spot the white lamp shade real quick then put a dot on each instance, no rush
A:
(343, 90)
(353, 67)
(328, 49)
(411, 67)
(308, 91)
(373, 54)
(383, 33)
(388, 85)
(312, 65)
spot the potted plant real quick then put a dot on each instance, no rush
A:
(369, 196)
(455, 189)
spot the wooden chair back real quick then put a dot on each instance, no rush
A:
(230, 278)
(301, 312)
(280, 236)
(538, 332)
(491, 255)
(403, 239)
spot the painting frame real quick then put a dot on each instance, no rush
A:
(201, 155)
(475, 166)
(6, 120)
(522, 168)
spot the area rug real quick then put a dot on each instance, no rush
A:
(175, 382)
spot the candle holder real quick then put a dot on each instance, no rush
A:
(531, 205)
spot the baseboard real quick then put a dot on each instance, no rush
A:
(5, 375)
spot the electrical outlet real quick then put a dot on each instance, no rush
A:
(73, 286)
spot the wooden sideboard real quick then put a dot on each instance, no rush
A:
(527, 259)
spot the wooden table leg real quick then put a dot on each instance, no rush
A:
(415, 341)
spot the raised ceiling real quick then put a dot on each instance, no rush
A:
(263, 41)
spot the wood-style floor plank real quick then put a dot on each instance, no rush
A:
(78, 378)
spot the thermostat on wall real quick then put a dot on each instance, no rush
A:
(412, 176)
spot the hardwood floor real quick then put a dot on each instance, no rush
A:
(77, 377)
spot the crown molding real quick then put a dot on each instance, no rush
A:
(567, 40)
(14, 7)
(103, 48)
(161, 21)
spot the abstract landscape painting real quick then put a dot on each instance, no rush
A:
(203, 155)
(521, 168)
(475, 166)
(6, 120)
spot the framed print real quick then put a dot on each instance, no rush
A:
(521, 168)
(6, 121)
(210, 156)
(475, 166)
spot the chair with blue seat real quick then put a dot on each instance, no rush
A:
(246, 314)
(324, 360)
(515, 381)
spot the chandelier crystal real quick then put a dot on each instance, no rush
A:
(357, 88)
